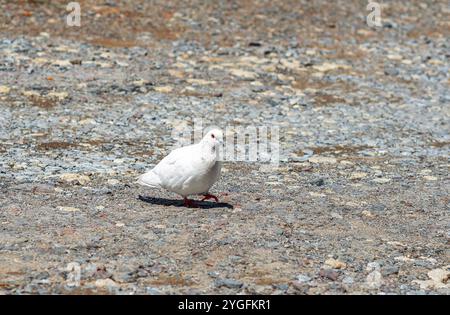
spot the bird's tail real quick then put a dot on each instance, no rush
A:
(149, 179)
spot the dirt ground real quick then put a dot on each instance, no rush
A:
(359, 203)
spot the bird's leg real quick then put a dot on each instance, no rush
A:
(209, 196)
(189, 203)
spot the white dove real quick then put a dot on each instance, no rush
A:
(189, 170)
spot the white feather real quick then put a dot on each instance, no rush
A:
(188, 170)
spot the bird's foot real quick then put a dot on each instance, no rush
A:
(209, 196)
(189, 203)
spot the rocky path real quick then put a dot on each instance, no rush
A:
(359, 202)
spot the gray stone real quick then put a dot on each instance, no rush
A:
(389, 270)
(229, 283)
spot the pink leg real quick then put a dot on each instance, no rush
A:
(189, 203)
(209, 196)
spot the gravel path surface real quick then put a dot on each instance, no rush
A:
(359, 203)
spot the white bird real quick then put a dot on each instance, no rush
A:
(189, 170)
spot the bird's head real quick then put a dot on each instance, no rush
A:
(214, 138)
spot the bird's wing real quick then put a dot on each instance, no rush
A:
(178, 166)
(176, 156)
(165, 170)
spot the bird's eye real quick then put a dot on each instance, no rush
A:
(213, 136)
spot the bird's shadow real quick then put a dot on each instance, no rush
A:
(179, 203)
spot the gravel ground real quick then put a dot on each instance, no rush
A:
(358, 205)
